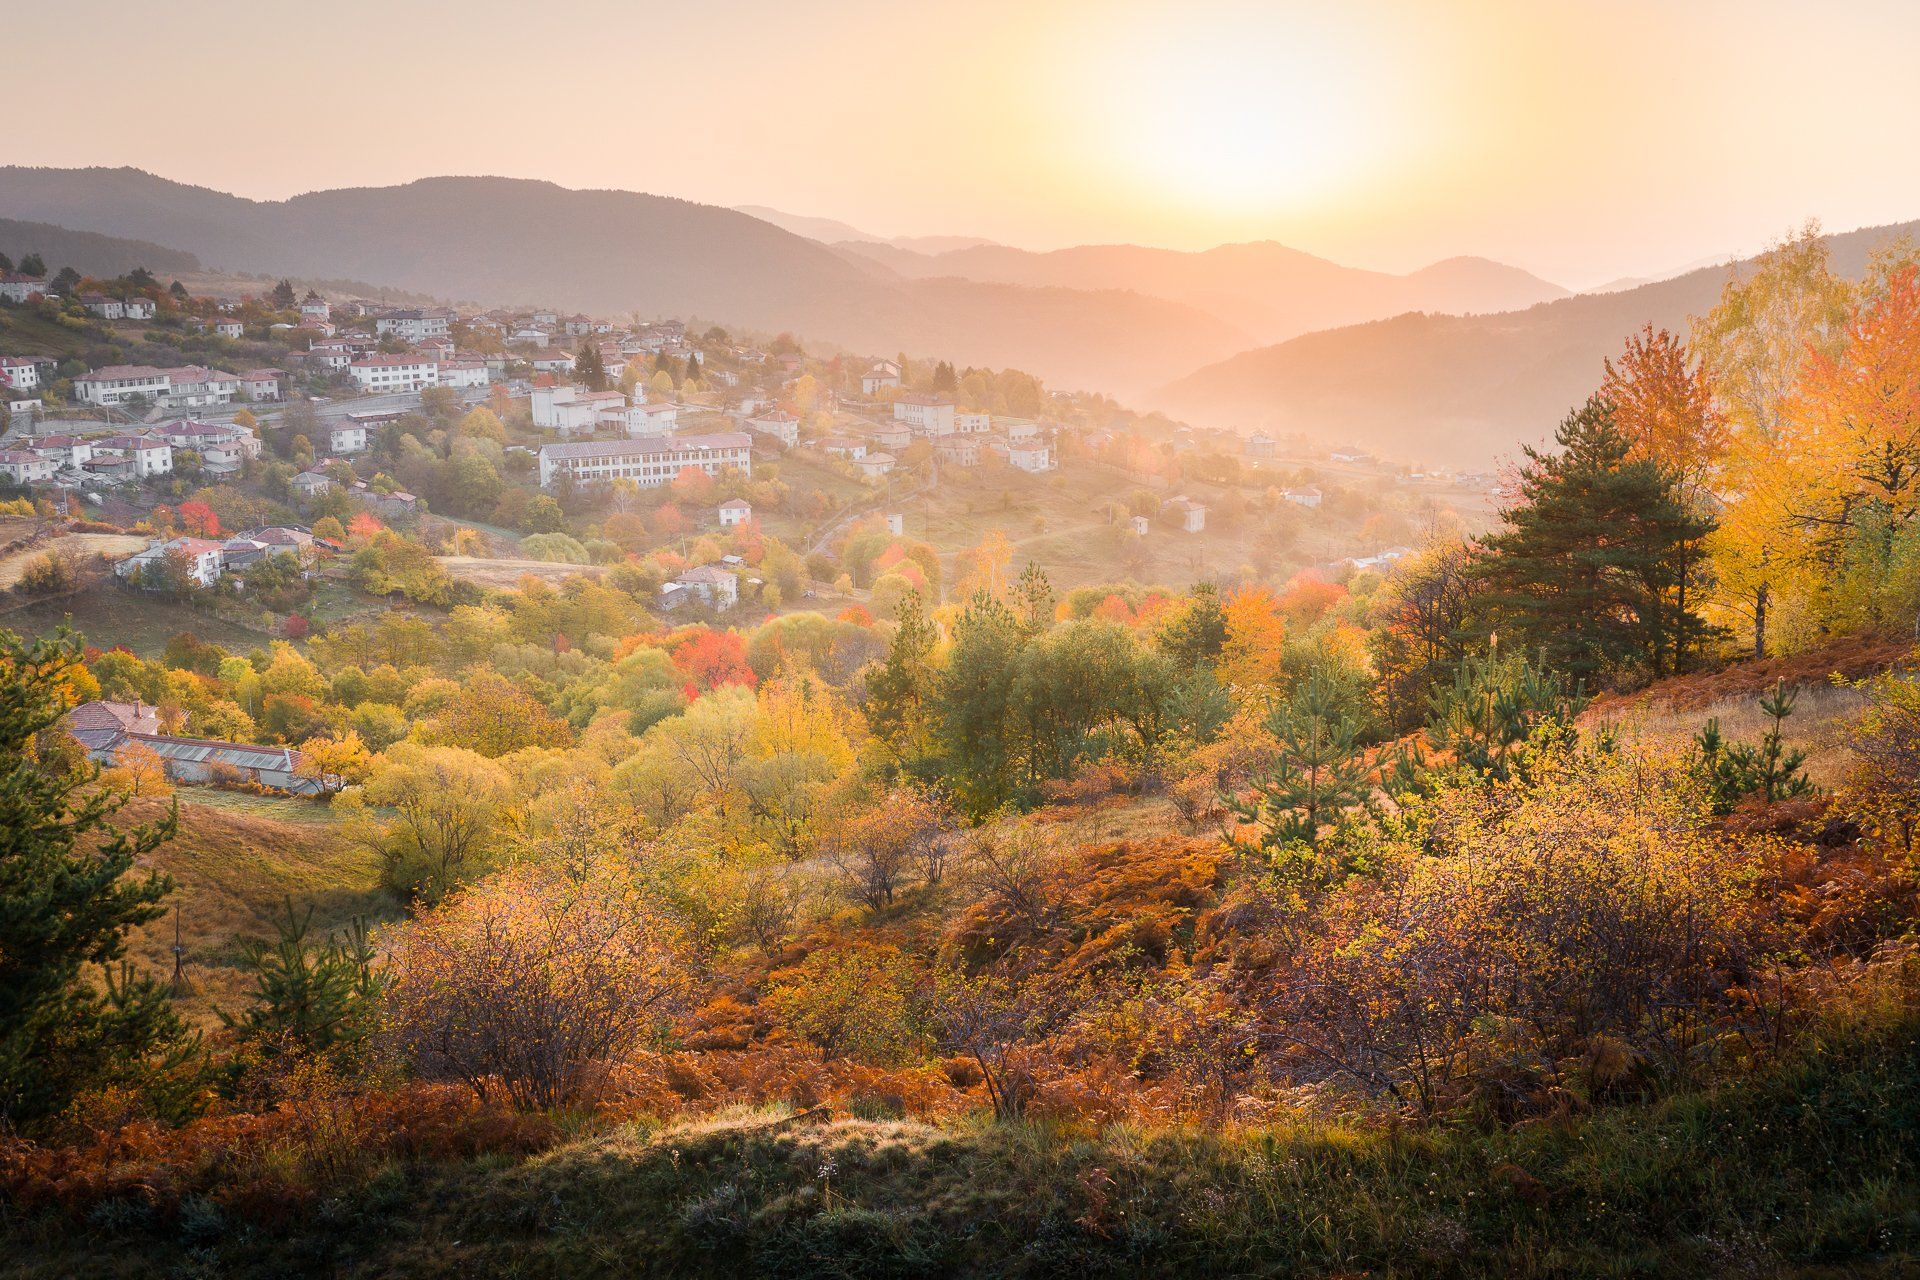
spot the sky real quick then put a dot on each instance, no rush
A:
(1581, 139)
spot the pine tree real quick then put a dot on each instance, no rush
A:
(283, 296)
(178, 290)
(1033, 598)
(309, 999)
(1196, 634)
(590, 369)
(1592, 568)
(1319, 776)
(1734, 771)
(693, 367)
(70, 1018)
(1498, 700)
(33, 265)
(6, 264)
(65, 282)
(943, 377)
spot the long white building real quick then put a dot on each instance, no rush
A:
(649, 462)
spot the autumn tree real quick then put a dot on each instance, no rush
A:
(1754, 344)
(435, 816)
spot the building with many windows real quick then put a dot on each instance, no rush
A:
(649, 462)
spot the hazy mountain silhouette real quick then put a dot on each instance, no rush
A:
(1456, 389)
(833, 231)
(1266, 289)
(89, 253)
(500, 240)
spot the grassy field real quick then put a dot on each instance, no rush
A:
(1806, 1171)
(81, 546)
(108, 616)
(500, 573)
(236, 860)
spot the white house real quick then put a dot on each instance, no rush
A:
(881, 376)
(117, 383)
(229, 327)
(66, 451)
(844, 447)
(927, 415)
(147, 455)
(973, 422)
(873, 466)
(15, 287)
(1188, 514)
(652, 419)
(734, 511)
(315, 307)
(101, 305)
(712, 585)
(649, 462)
(1030, 456)
(346, 437)
(23, 466)
(413, 326)
(464, 373)
(383, 374)
(203, 559)
(261, 384)
(138, 308)
(19, 373)
(1308, 497)
(195, 386)
(778, 423)
(311, 484)
(554, 362)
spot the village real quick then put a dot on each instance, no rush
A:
(252, 494)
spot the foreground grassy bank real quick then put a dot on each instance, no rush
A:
(1809, 1170)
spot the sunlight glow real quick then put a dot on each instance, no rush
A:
(1240, 121)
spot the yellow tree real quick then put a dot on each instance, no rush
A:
(1256, 635)
(1754, 345)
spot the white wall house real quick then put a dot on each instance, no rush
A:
(19, 373)
(649, 462)
(652, 419)
(734, 511)
(346, 437)
(23, 466)
(203, 558)
(141, 308)
(15, 287)
(413, 326)
(147, 455)
(464, 373)
(118, 383)
(378, 375)
(778, 423)
(927, 415)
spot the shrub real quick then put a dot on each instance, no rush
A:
(532, 984)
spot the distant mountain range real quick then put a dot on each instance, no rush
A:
(1115, 319)
(834, 231)
(1456, 389)
(1265, 289)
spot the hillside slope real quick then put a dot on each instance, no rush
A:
(88, 252)
(1455, 389)
(1269, 290)
(497, 240)
(1806, 1171)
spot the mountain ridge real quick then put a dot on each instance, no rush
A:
(1458, 389)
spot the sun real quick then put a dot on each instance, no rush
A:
(1234, 119)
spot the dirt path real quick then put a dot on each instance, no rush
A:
(492, 572)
